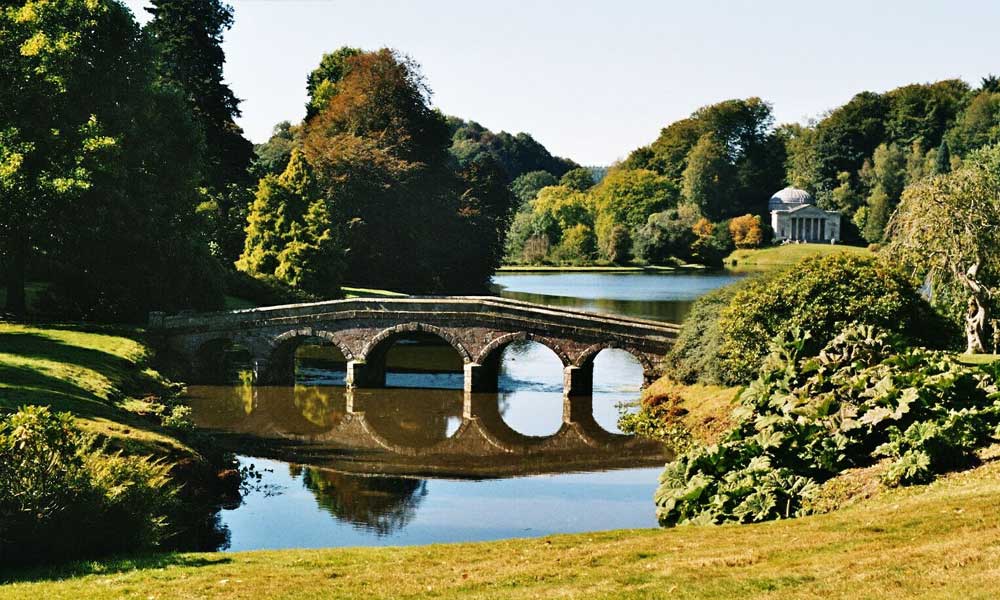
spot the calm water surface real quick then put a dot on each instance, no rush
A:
(421, 462)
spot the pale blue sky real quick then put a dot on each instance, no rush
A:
(593, 80)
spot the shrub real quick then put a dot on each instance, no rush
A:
(617, 245)
(821, 295)
(658, 418)
(805, 419)
(696, 353)
(666, 235)
(61, 497)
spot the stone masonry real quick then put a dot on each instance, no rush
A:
(477, 327)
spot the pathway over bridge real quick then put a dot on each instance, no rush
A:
(363, 329)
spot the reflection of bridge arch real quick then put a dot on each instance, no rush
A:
(350, 437)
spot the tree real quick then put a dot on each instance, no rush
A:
(188, 35)
(747, 231)
(486, 211)
(518, 154)
(887, 179)
(627, 198)
(617, 245)
(291, 233)
(709, 178)
(978, 125)
(578, 179)
(127, 154)
(272, 156)
(47, 62)
(578, 245)
(665, 236)
(321, 85)
(947, 231)
(527, 185)
(942, 162)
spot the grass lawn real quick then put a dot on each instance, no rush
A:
(353, 292)
(776, 257)
(90, 372)
(937, 541)
(978, 359)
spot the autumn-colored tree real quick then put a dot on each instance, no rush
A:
(747, 231)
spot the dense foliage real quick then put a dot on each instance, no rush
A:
(517, 154)
(808, 416)
(728, 341)
(61, 499)
(369, 192)
(100, 166)
(188, 38)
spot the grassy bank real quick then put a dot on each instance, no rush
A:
(938, 541)
(102, 376)
(708, 407)
(776, 257)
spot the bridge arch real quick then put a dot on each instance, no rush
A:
(280, 360)
(216, 359)
(370, 366)
(483, 375)
(397, 331)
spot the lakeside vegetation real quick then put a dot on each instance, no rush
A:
(934, 541)
(125, 458)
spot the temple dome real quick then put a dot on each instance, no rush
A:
(789, 198)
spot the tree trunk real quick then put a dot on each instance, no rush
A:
(975, 325)
(977, 313)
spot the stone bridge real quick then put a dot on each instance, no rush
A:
(363, 329)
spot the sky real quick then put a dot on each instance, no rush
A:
(593, 80)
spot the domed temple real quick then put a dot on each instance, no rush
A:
(795, 217)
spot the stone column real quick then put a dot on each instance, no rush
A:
(481, 378)
(578, 381)
(364, 375)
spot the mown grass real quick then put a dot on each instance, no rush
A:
(776, 257)
(89, 372)
(937, 541)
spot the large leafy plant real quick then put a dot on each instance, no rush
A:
(862, 398)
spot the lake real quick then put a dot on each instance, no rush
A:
(422, 462)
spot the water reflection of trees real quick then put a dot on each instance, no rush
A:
(383, 505)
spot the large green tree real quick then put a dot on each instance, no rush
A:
(188, 35)
(87, 130)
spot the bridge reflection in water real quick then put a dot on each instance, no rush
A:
(400, 431)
